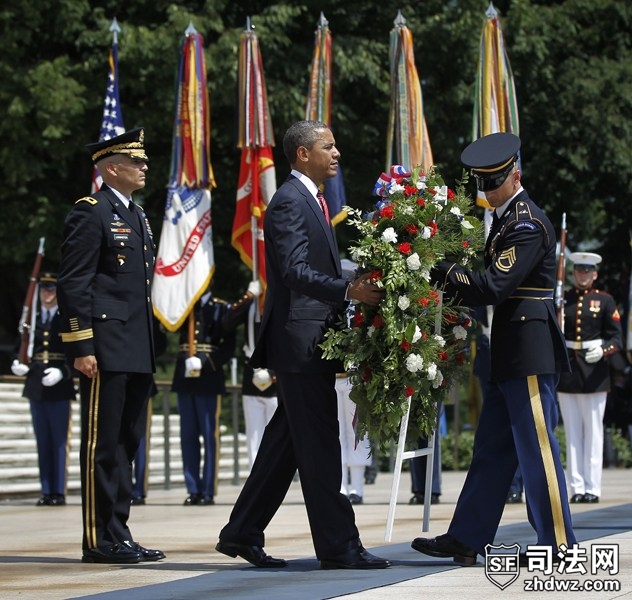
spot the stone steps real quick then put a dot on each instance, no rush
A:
(19, 472)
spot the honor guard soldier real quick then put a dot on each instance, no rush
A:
(49, 389)
(592, 328)
(528, 352)
(258, 389)
(199, 381)
(107, 263)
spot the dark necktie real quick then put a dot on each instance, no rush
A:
(323, 205)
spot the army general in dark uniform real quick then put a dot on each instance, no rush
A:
(527, 354)
(107, 261)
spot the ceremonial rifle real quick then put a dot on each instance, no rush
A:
(25, 320)
(561, 268)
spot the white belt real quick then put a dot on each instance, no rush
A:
(585, 345)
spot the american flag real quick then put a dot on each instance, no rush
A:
(112, 123)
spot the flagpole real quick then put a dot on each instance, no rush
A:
(115, 29)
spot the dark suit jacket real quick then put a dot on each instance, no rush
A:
(519, 275)
(104, 283)
(306, 292)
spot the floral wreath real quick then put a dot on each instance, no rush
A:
(412, 345)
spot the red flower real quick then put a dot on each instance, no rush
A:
(466, 244)
(405, 345)
(358, 319)
(451, 194)
(378, 321)
(375, 276)
(423, 301)
(434, 228)
(443, 355)
(412, 229)
(434, 295)
(450, 318)
(387, 212)
(409, 391)
(421, 202)
(460, 358)
(410, 190)
(404, 248)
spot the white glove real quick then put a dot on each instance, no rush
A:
(52, 376)
(254, 287)
(594, 354)
(19, 369)
(192, 366)
(261, 378)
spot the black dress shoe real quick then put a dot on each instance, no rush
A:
(137, 501)
(57, 500)
(355, 558)
(419, 499)
(445, 546)
(590, 499)
(192, 499)
(146, 553)
(115, 554)
(577, 498)
(514, 498)
(255, 555)
(206, 500)
(43, 501)
(355, 499)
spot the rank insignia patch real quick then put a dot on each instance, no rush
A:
(507, 259)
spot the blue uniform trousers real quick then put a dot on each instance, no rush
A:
(516, 427)
(199, 418)
(51, 421)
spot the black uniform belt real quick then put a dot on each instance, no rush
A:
(49, 356)
(583, 344)
(533, 294)
(198, 347)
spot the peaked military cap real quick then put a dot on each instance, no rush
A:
(491, 158)
(131, 142)
(585, 259)
(48, 280)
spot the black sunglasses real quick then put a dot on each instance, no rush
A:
(487, 183)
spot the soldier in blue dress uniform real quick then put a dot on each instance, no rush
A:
(199, 381)
(527, 355)
(107, 263)
(50, 390)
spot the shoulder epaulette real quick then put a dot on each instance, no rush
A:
(88, 199)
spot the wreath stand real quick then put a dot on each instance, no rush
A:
(402, 455)
(397, 472)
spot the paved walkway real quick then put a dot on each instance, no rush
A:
(40, 550)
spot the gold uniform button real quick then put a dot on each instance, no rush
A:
(523, 318)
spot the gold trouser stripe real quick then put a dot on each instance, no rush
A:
(218, 411)
(90, 507)
(68, 442)
(547, 458)
(150, 410)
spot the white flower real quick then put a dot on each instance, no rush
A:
(438, 380)
(416, 335)
(425, 232)
(421, 183)
(403, 302)
(413, 262)
(425, 274)
(432, 371)
(440, 340)
(389, 235)
(394, 188)
(441, 194)
(455, 210)
(370, 330)
(466, 224)
(406, 210)
(459, 333)
(414, 362)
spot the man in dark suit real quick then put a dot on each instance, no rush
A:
(528, 352)
(306, 295)
(107, 261)
(50, 390)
